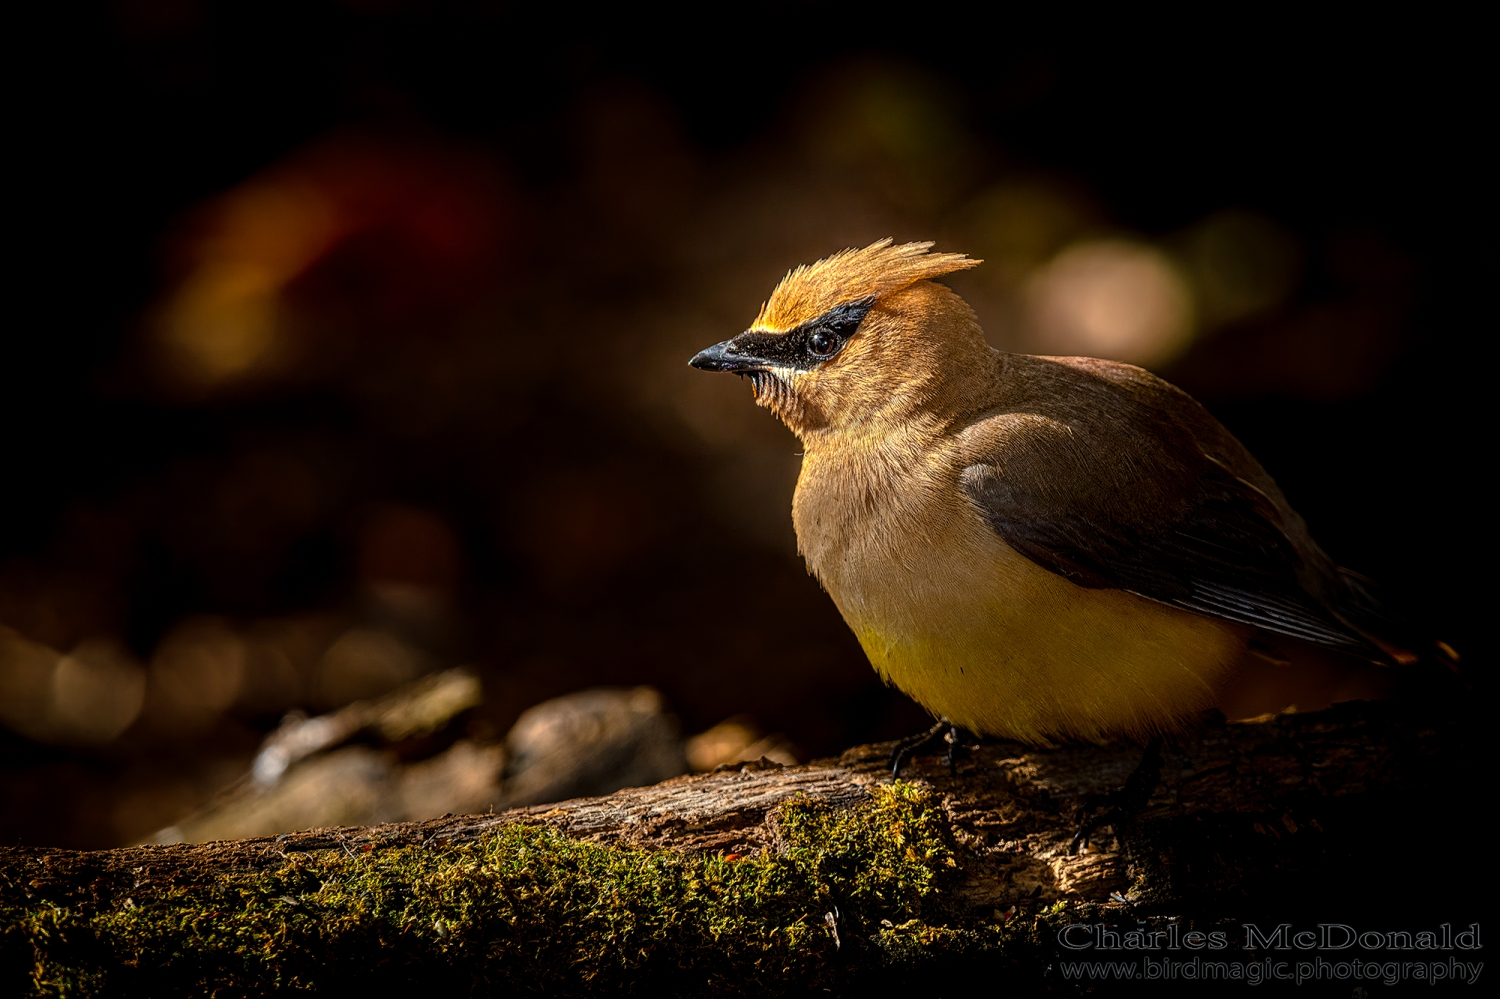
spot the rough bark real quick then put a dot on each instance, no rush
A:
(1333, 816)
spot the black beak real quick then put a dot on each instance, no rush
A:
(723, 357)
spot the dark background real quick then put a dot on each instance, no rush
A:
(474, 426)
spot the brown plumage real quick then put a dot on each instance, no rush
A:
(1038, 548)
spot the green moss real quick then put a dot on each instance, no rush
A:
(530, 909)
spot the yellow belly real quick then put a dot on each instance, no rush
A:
(995, 643)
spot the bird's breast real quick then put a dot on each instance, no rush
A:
(979, 634)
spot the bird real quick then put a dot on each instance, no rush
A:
(1050, 550)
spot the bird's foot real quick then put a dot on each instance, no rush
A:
(1123, 803)
(943, 734)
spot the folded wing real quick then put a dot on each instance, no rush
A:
(1126, 496)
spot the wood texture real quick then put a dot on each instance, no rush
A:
(1013, 807)
(1311, 817)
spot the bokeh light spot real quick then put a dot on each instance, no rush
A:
(199, 667)
(97, 691)
(1113, 299)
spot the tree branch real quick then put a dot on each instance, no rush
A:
(768, 879)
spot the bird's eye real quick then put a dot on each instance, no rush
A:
(822, 343)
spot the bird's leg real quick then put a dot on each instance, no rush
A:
(1124, 802)
(923, 743)
(954, 737)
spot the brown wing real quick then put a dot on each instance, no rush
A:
(1114, 490)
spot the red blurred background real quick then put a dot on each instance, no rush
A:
(349, 340)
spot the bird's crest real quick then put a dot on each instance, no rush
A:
(810, 290)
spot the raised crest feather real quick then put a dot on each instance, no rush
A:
(879, 269)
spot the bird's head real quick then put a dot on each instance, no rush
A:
(856, 338)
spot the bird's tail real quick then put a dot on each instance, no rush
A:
(1405, 642)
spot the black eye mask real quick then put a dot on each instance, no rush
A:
(803, 347)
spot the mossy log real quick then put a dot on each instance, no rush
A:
(771, 879)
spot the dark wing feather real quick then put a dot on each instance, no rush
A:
(1148, 517)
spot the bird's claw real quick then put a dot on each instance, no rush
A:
(943, 733)
(1124, 802)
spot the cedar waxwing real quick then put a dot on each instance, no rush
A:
(1035, 548)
